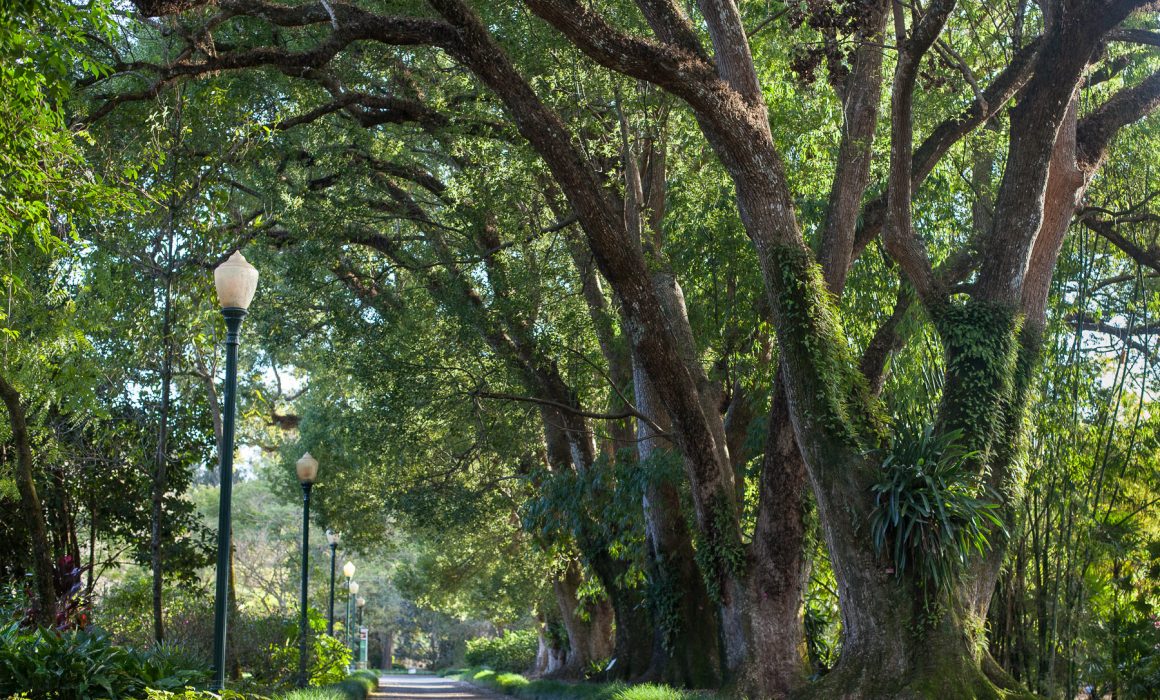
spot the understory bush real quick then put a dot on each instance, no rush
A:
(327, 659)
(87, 664)
(514, 651)
(192, 694)
(356, 686)
(263, 647)
(78, 665)
(520, 687)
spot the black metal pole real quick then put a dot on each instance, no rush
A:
(346, 629)
(234, 318)
(330, 624)
(358, 656)
(303, 636)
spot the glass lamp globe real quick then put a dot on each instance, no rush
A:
(331, 537)
(354, 587)
(236, 281)
(307, 468)
(361, 601)
(348, 569)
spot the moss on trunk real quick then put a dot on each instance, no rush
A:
(980, 340)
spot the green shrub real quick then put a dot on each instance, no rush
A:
(191, 694)
(264, 647)
(328, 693)
(327, 658)
(86, 664)
(650, 691)
(356, 686)
(354, 689)
(514, 651)
(520, 687)
(367, 675)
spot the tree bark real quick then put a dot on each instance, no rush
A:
(161, 467)
(779, 566)
(588, 640)
(42, 567)
(388, 639)
(685, 650)
(618, 258)
(633, 641)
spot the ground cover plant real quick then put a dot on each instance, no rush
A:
(518, 686)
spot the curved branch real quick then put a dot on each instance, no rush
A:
(677, 69)
(354, 25)
(1095, 132)
(936, 145)
(899, 236)
(1107, 230)
(627, 413)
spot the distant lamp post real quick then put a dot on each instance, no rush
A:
(307, 468)
(332, 540)
(358, 657)
(236, 281)
(352, 591)
(348, 572)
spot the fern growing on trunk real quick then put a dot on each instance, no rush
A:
(930, 512)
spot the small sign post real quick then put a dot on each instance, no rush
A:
(362, 647)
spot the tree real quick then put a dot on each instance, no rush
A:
(910, 625)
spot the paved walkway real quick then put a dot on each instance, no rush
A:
(426, 688)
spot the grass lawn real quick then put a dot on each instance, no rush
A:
(517, 686)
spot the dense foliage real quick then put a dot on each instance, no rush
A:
(511, 651)
(82, 665)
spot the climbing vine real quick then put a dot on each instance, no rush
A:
(720, 553)
(981, 345)
(815, 347)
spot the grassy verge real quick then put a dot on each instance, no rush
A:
(517, 686)
(356, 686)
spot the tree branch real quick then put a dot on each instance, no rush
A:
(1095, 131)
(1106, 228)
(899, 237)
(861, 97)
(936, 145)
(673, 67)
(627, 413)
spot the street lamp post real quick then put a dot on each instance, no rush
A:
(360, 603)
(307, 468)
(236, 281)
(352, 591)
(332, 540)
(348, 572)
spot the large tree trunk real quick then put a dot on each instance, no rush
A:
(388, 639)
(620, 260)
(686, 648)
(633, 629)
(779, 569)
(892, 645)
(588, 640)
(42, 567)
